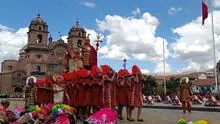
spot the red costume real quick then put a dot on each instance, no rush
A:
(81, 89)
(74, 91)
(123, 89)
(109, 80)
(44, 92)
(136, 96)
(97, 87)
(68, 84)
(89, 55)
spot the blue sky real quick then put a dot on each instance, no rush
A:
(173, 20)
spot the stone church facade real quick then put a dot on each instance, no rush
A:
(40, 57)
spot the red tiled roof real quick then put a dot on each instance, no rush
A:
(203, 82)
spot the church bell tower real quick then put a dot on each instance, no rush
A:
(76, 37)
(38, 34)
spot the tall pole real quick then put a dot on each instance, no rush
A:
(213, 39)
(164, 71)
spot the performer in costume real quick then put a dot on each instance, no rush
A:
(107, 71)
(59, 90)
(136, 96)
(81, 75)
(123, 92)
(88, 93)
(89, 55)
(40, 92)
(48, 90)
(30, 91)
(67, 82)
(185, 94)
(97, 86)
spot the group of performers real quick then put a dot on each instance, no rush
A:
(90, 90)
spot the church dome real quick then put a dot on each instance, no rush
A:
(38, 20)
(77, 30)
(77, 27)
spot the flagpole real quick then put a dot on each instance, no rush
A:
(164, 78)
(213, 39)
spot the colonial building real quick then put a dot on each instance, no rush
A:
(40, 57)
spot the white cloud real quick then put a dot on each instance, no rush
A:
(64, 38)
(136, 12)
(88, 4)
(174, 10)
(11, 42)
(195, 45)
(159, 68)
(145, 71)
(216, 3)
(132, 38)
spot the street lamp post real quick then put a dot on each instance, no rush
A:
(125, 60)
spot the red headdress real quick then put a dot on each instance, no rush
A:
(40, 83)
(83, 73)
(123, 72)
(48, 81)
(105, 69)
(135, 69)
(95, 70)
(67, 76)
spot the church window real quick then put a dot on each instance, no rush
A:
(39, 38)
(38, 69)
(39, 56)
(9, 67)
(79, 43)
(79, 34)
(39, 28)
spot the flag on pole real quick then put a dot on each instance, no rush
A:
(204, 11)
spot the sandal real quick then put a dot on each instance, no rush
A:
(131, 120)
(120, 118)
(140, 120)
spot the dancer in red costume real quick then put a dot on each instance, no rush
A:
(89, 55)
(67, 82)
(82, 75)
(185, 94)
(48, 89)
(40, 92)
(97, 87)
(136, 96)
(109, 77)
(123, 91)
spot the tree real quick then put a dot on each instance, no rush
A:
(150, 85)
(172, 85)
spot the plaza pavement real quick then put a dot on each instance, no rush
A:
(170, 116)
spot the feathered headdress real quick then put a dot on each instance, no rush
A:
(31, 77)
(123, 72)
(95, 70)
(135, 69)
(67, 76)
(184, 78)
(105, 69)
(40, 83)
